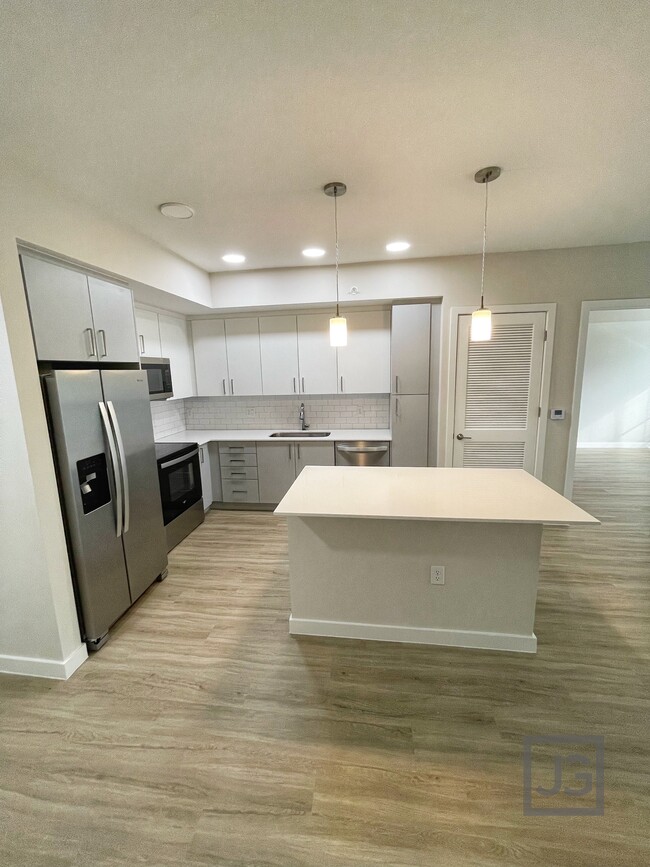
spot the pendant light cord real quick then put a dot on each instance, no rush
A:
(485, 216)
(336, 249)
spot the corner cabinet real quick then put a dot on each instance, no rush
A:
(148, 330)
(76, 317)
(364, 364)
(176, 345)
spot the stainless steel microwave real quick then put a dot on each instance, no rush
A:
(159, 377)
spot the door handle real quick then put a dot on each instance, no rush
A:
(103, 334)
(116, 475)
(142, 350)
(91, 335)
(125, 472)
(462, 437)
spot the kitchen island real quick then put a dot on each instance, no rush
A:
(366, 544)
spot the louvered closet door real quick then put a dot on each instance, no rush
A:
(498, 391)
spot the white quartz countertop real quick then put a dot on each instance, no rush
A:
(428, 494)
(205, 436)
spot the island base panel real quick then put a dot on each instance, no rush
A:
(371, 579)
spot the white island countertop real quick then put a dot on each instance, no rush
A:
(224, 436)
(428, 494)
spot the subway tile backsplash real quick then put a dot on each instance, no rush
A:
(250, 413)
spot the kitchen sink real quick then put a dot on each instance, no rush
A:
(301, 433)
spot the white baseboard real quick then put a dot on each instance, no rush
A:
(50, 668)
(414, 635)
(630, 445)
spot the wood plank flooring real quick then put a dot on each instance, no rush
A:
(202, 734)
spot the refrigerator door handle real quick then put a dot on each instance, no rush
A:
(122, 454)
(116, 474)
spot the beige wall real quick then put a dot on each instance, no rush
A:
(37, 617)
(566, 277)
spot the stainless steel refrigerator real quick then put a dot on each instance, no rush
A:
(103, 438)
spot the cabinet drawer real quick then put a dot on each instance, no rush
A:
(239, 473)
(241, 459)
(240, 492)
(237, 448)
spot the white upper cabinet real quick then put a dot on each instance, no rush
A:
(410, 347)
(177, 346)
(59, 305)
(148, 331)
(317, 359)
(244, 364)
(210, 357)
(279, 354)
(364, 364)
(112, 308)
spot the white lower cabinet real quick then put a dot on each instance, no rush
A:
(410, 430)
(238, 462)
(206, 475)
(279, 464)
(276, 469)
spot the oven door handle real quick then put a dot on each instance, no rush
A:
(178, 460)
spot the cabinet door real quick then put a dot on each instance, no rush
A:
(210, 359)
(279, 354)
(114, 319)
(275, 470)
(364, 364)
(206, 476)
(148, 331)
(313, 455)
(410, 430)
(316, 358)
(410, 341)
(176, 345)
(59, 305)
(243, 348)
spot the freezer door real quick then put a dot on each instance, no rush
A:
(127, 399)
(87, 481)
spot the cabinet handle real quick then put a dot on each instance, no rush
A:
(237, 460)
(298, 447)
(91, 342)
(142, 351)
(232, 386)
(341, 383)
(396, 384)
(237, 474)
(201, 453)
(294, 385)
(103, 334)
(239, 492)
(290, 452)
(397, 407)
(303, 384)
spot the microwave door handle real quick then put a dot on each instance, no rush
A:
(116, 475)
(125, 472)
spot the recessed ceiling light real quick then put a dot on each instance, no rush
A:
(397, 246)
(234, 258)
(313, 252)
(176, 210)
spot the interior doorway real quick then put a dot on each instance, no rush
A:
(610, 418)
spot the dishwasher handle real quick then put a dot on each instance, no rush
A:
(362, 449)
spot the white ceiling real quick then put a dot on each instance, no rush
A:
(245, 108)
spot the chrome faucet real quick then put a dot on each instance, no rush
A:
(301, 418)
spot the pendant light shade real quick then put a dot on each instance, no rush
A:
(481, 324)
(482, 318)
(338, 331)
(338, 323)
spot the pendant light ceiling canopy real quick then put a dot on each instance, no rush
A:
(338, 323)
(482, 318)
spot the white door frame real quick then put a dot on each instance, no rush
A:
(587, 307)
(550, 311)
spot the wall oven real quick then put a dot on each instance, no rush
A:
(179, 475)
(159, 377)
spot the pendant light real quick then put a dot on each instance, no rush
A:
(482, 318)
(338, 323)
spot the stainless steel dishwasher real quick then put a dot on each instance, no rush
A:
(363, 453)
